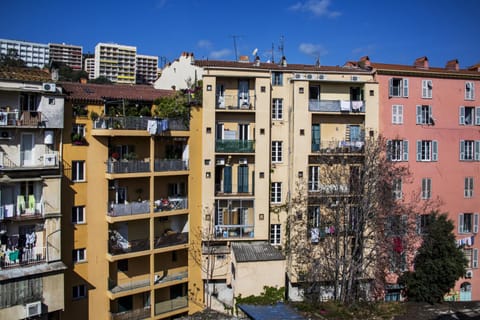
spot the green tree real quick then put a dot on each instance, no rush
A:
(11, 59)
(438, 264)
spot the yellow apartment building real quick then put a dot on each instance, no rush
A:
(31, 124)
(128, 193)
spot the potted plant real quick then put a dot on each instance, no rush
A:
(78, 139)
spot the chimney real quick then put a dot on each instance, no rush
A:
(243, 59)
(364, 62)
(421, 62)
(475, 68)
(83, 80)
(257, 61)
(452, 65)
(283, 62)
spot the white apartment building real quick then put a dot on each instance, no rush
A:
(34, 54)
(89, 67)
(115, 62)
(147, 69)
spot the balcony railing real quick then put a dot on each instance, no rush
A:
(171, 203)
(171, 277)
(153, 125)
(116, 287)
(19, 258)
(119, 245)
(127, 209)
(233, 190)
(235, 146)
(29, 209)
(336, 106)
(171, 305)
(170, 165)
(235, 102)
(343, 146)
(234, 231)
(171, 239)
(19, 159)
(21, 118)
(143, 313)
(128, 166)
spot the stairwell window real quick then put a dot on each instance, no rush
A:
(78, 171)
(426, 188)
(468, 189)
(277, 151)
(470, 150)
(398, 87)
(427, 150)
(276, 192)
(469, 90)
(427, 87)
(275, 234)
(277, 109)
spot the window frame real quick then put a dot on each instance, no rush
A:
(275, 234)
(427, 88)
(426, 190)
(397, 150)
(402, 87)
(472, 224)
(427, 148)
(468, 187)
(397, 189)
(424, 114)
(79, 255)
(397, 114)
(276, 192)
(277, 151)
(79, 292)
(313, 178)
(76, 211)
(277, 78)
(78, 171)
(469, 90)
(469, 150)
(277, 109)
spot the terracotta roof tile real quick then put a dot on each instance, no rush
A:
(24, 74)
(385, 68)
(88, 92)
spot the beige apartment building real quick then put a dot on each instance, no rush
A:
(31, 124)
(129, 191)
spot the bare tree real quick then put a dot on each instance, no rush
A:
(348, 229)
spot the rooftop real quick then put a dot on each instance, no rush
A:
(25, 74)
(255, 251)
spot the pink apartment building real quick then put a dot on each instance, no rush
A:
(431, 117)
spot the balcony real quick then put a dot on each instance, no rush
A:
(127, 209)
(234, 231)
(14, 258)
(234, 102)
(152, 125)
(235, 146)
(21, 209)
(117, 244)
(171, 203)
(127, 166)
(21, 118)
(143, 313)
(115, 287)
(171, 305)
(162, 165)
(336, 106)
(20, 160)
(171, 238)
(338, 147)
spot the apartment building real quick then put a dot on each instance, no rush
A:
(431, 116)
(115, 62)
(69, 54)
(34, 54)
(31, 123)
(147, 69)
(127, 189)
(264, 127)
(89, 67)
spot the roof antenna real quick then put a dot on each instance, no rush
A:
(235, 37)
(281, 47)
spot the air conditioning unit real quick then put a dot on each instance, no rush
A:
(220, 162)
(243, 161)
(50, 160)
(310, 76)
(33, 309)
(322, 77)
(49, 87)
(5, 135)
(355, 78)
(469, 274)
(299, 76)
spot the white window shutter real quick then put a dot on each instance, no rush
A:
(394, 114)
(405, 87)
(477, 116)
(460, 223)
(477, 150)
(430, 115)
(475, 222)
(390, 87)
(405, 150)
(400, 114)
(475, 258)
(461, 115)
(419, 114)
(434, 150)
(462, 149)
(424, 88)
(419, 150)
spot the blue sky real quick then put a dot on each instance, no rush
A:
(333, 30)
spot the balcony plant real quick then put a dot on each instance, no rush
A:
(78, 139)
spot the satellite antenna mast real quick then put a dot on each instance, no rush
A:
(281, 47)
(235, 45)
(273, 52)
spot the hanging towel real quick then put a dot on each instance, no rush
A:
(31, 202)
(344, 105)
(20, 204)
(152, 126)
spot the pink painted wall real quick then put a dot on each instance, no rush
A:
(448, 173)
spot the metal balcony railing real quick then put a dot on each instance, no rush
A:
(140, 123)
(171, 203)
(171, 239)
(127, 166)
(235, 102)
(20, 258)
(342, 146)
(116, 287)
(336, 106)
(120, 245)
(142, 313)
(234, 231)
(170, 165)
(171, 305)
(235, 146)
(127, 209)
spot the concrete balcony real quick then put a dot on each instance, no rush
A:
(171, 305)
(243, 102)
(127, 209)
(336, 106)
(163, 165)
(143, 313)
(235, 146)
(338, 147)
(20, 258)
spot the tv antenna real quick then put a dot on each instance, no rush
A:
(235, 37)
(281, 46)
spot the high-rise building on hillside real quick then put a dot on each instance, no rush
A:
(115, 62)
(71, 55)
(34, 54)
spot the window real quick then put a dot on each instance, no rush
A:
(398, 258)
(122, 265)
(275, 234)
(51, 101)
(427, 150)
(78, 129)
(396, 225)
(424, 115)
(79, 291)
(397, 114)
(356, 94)
(314, 93)
(397, 150)
(78, 171)
(78, 214)
(397, 189)
(423, 221)
(277, 78)
(276, 151)
(469, 116)
(468, 189)
(79, 255)
(470, 150)
(276, 192)
(314, 229)
(313, 178)
(426, 188)
(427, 89)
(472, 257)
(398, 87)
(277, 109)
(468, 223)
(469, 90)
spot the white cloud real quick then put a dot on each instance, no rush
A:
(220, 54)
(205, 44)
(314, 50)
(316, 7)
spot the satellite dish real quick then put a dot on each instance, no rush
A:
(254, 53)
